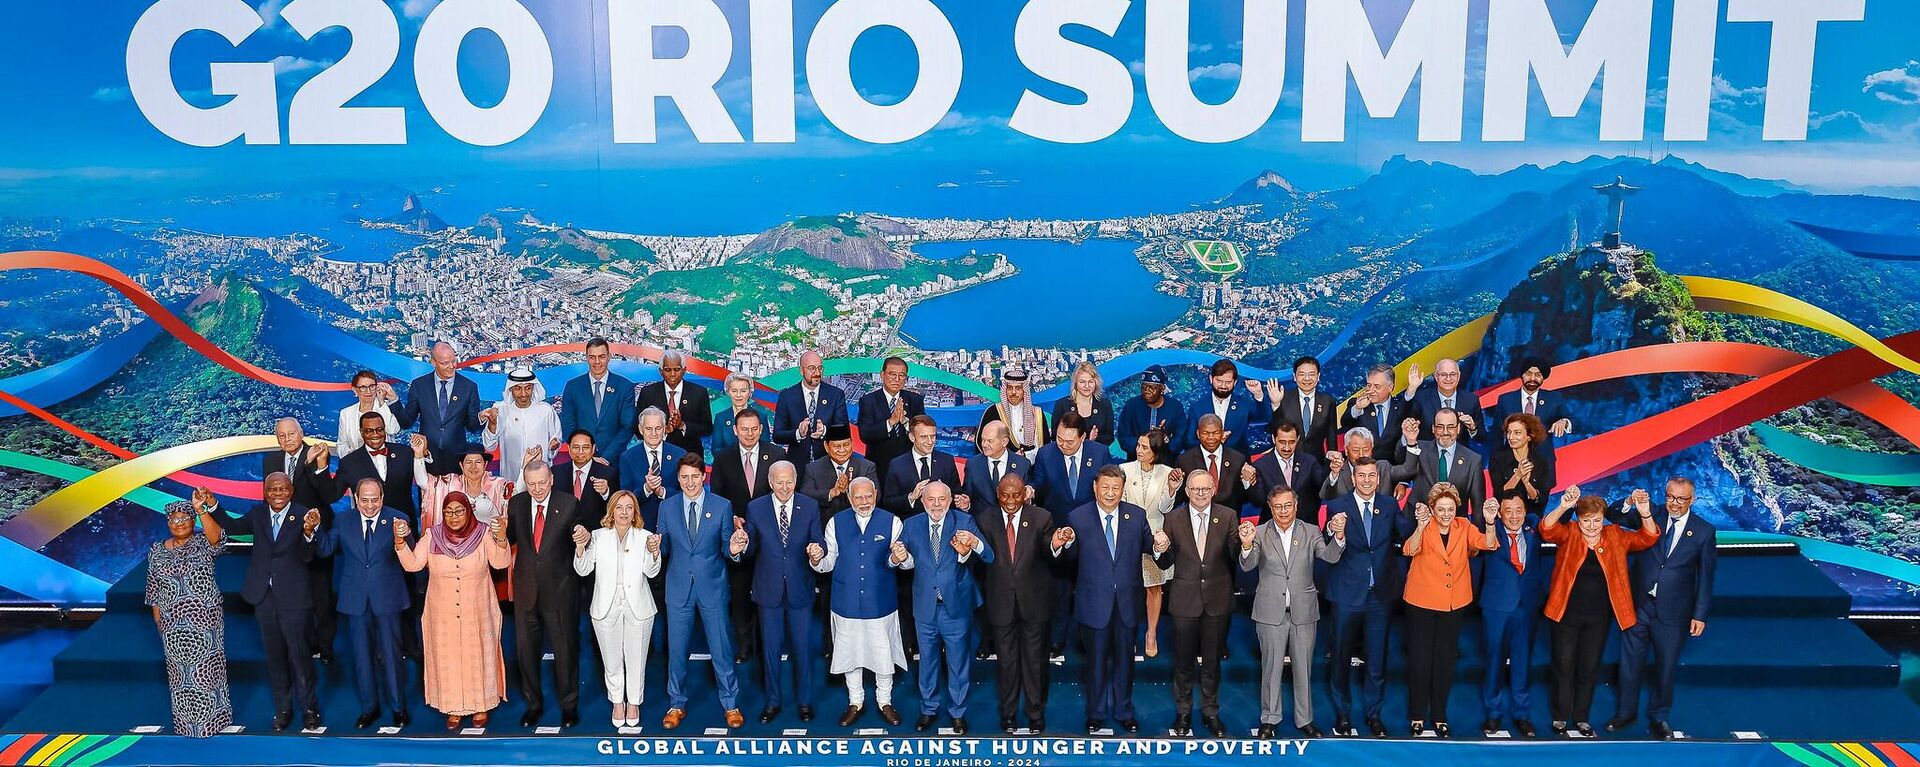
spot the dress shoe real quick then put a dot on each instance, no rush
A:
(1311, 730)
(1619, 723)
(480, 720)
(1265, 732)
(672, 719)
(959, 725)
(1132, 726)
(367, 718)
(1489, 727)
(735, 720)
(1377, 728)
(806, 713)
(1559, 727)
(1343, 728)
(281, 720)
(1442, 730)
(1524, 727)
(982, 654)
(311, 721)
(1416, 729)
(921, 724)
(852, 715)
(1037, 725)
(1660, 730)
(569, 718)
(1585, 730)
(531, 718)
(740, 658)
(1214, 726)
(1007, 726)
(401, 720)
(767, 714)
(325, 658)
(1182, 726)
(453, 723)
(1094, 726)
(890, 715)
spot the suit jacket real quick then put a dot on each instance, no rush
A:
(634, 468)
(589, 505)
(1501, 465)
(1504, 589)
(1049, 477)
(1202, 582)
(1137, 418)
(791, 409)
(1101, 421)
(446, 430)
(312, 488)
(358, 465)
(781, 575)
(696, 412)
(1426, 404)
(723, 436)
(696, 561)
(885, 443)
(938, 574)
(1108, 586)
(1682, 571)
(1615, 543)
(1228, 491)
(1375, 550)
(979, 481)
(730, 476)
(1018, 583)
(544, 578)
(612, 424)
(1397, 409)
(1549, 407)
(1308, 475)
(1244, 418)
(619, 571)
(280, 559)
(818, 479)
(1317, 433)
(1422, 471)
(898, 480)
(1287, 578)
(367, 577)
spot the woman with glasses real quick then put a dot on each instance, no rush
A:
(371, 395)
(187, 610)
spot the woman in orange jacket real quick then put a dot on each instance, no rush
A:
(1590, 584)
(1439, 587)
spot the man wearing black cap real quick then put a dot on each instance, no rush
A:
(1531, 398)
(1152, 409)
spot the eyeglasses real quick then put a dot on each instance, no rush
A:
(1680, 498)
(365, 387)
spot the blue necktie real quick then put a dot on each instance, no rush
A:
(443, 396)
(1073, 477)
(279, 518)
(1111, 542)
(693, 517)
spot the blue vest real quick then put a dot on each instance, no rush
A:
(863, 584)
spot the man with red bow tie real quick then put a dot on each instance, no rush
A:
(389, 462)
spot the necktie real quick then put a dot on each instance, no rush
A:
(279, 518)
(784, 520)
(1073, 476)
(580, 482)
(653, 461)
(1286, 470)
(539, 524)
(1529, 404)
(926, 468)
(367, 535)
(1111, 543)
(443, 396)
(812, 403)
(599, 393)
(1673, 530)
(673, 402)
(936, 543)
(1213, 467)
(290, 461)
(1011, 536)
(1380, 415)
(1306, 411)
(1446, 402)
(746, 462)
(1366, 534)
(1446, 461)
(1200, 531)
(1513, 553)
(693, 517)
(995, 474)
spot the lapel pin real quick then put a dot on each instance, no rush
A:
(1024, 523)
(1689, 533)
(879, 537)
(1126, 516)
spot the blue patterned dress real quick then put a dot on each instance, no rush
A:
(181, 586)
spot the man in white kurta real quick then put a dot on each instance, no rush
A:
(522, 423)
(863, 548)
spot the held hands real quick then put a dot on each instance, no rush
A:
(498, 527)
(1335, 462)
(1410, 428)
(1466, 422)
(1492, 510)
(1062, 536)
(580, 536)
(600, 486)
(815, 553)
(737, 545)
(384, 392)
(1161, 542)
(962, 542)
(1246, 534)
(1247, 474)
(1641, 502)
(553, 444)
(310, 522)
(1422, 515)
(400, 532)
(1175, 479)
(899, 553)
(1254, 390)
(317, 455)
(418, 442)
(1570, 497)
(204, 502)
(534, 453)
(491, 417)
(654, 542)
(962, 501)
(1338, 525)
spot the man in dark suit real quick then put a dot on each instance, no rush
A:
(313, 488)
(1362, 587)
(1550, 408)
(1305, 406)
(913, 470)
(1356, 444)
(1673, 593)
(689, 408)
(601, 402)
(1377, 409)
(590, 482)
(1153, 409)
(1063, 472)
(276, 586)
(884, 414)
(1200, 598)
(1425, 463)
(1211, 456)
(373, 597)
(1019, 599)
(732, 481)
(389, 462)
(807, 409)
(1513, 588)
(983, 474)
(828, 477)
(1240, 415)
(546, 593)
(1104, 541)
(695, 525)
(446, 405)
(783, 536)
(647, 467)
(1445, 393)
(1286, 465)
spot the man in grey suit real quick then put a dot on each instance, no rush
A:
(1420, 462)
(1286, 607)
(1339, 482)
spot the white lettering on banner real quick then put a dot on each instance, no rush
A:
(1796, 23)
(639, 77)
(771, 28)
(319, 114)
(1263, 70)
(529, 66)
(1522, 40)
(253, 112)
(1038, 41)
(1432, 42)
(830, 73)
(1696, 26)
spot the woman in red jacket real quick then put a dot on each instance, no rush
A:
(1590, 584)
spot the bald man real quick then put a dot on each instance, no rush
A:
(806, 411)
(1444, 392)
(446, 407)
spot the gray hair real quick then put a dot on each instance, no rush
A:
(673, 355)
(1381, 369)
(655, 412)
(535, 465)
(731, 377)
(358, 486)
(857, 481)
(781, 465)
(1359, 432)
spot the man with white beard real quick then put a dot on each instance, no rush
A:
(866, 617)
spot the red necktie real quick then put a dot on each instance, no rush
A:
(1213, 468)
(580, 482)
(1513, 552)
(539, 524)
(1012, 533)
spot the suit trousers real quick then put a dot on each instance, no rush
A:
(1509, 641)
(290, 678)
(713, 621)
(1577, 644)
(1023, 667)
(1107, 675)
(946, 643)
(378, 670)
(789, 631)
(1197, 645)
(532, 629)
(1433, 651)
(903, 588)
(324, 623)
(1282, 645)
(1664, 640)
(624, 641)
(1362, 628)
(742, 615)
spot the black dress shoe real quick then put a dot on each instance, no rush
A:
(806, 713)
(367, 718)
(982, 654)
(569, 718)
(1660, 730)
(1619, 723)
(1342, 727)
(1094, 726)
(741, 658)
(1132, 726)
(1489, 727)
(1214, 726)
(325, 658)
(1182, 726)
(1442, 730)
(311, 721)
(1309, 730)
(890, 715)
(1037, 725)
(959, 725)
(1376, 727)
(921, 724)
(1415, 729)
(400, 719)
(1559, 726)
(281, 720)
(1586, 730)
(1524, 727)
(1265, 732)
(1007, 726)
(852, 715)
(767, 714)
(531, 718)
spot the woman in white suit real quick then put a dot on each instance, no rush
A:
(624, 555)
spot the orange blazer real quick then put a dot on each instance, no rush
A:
(1615, 543)
(1438, 577)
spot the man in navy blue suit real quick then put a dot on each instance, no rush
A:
(994, 462)
(913, 470)
(697, 525)
(783, 538)
(1673, 592)
(1110, 594)
(1445, 393)
(1307, 407)
(372, 598)
(805, 411)
(589, 481)
(446, 405)
(1286, 466)
(1379, 411)
(1236, 409)
(389, 462)
(941, 547)
(601, 402)
(647, 467)
(1062, 479)
(1513, 587)
(1546, 406)
(276, 586)
(884, 416)
(1362, 587)
(1153, 409)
